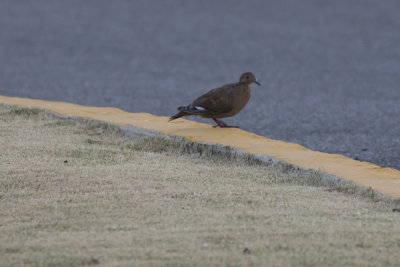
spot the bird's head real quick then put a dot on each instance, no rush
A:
(248, 78)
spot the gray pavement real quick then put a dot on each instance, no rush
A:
(329, 69)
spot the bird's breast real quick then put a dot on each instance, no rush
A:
(242, 97)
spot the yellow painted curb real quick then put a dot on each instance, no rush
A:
(383, 180)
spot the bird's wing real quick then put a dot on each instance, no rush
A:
(217, 101)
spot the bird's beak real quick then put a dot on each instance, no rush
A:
(257, 82)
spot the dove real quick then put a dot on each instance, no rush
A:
(222, 102)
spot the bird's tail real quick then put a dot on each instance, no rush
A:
(177, 115)
(187, 111)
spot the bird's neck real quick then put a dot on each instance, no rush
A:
(244, 83)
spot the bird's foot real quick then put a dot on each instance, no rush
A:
(222, 124)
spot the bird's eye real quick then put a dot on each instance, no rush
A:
(247, 77)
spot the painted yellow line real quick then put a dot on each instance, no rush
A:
(383, 180)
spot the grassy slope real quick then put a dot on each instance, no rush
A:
(77, 193)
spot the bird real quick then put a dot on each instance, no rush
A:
(221, 102)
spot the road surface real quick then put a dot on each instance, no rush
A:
(329, 69)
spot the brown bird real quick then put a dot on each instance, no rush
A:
(222, 102)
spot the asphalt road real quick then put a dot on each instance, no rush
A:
(329, 69)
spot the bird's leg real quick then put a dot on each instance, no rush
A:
(222, 124)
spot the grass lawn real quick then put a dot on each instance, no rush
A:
(75, 192)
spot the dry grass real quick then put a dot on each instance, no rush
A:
(73, 192)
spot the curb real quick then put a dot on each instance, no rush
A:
(382, 179)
